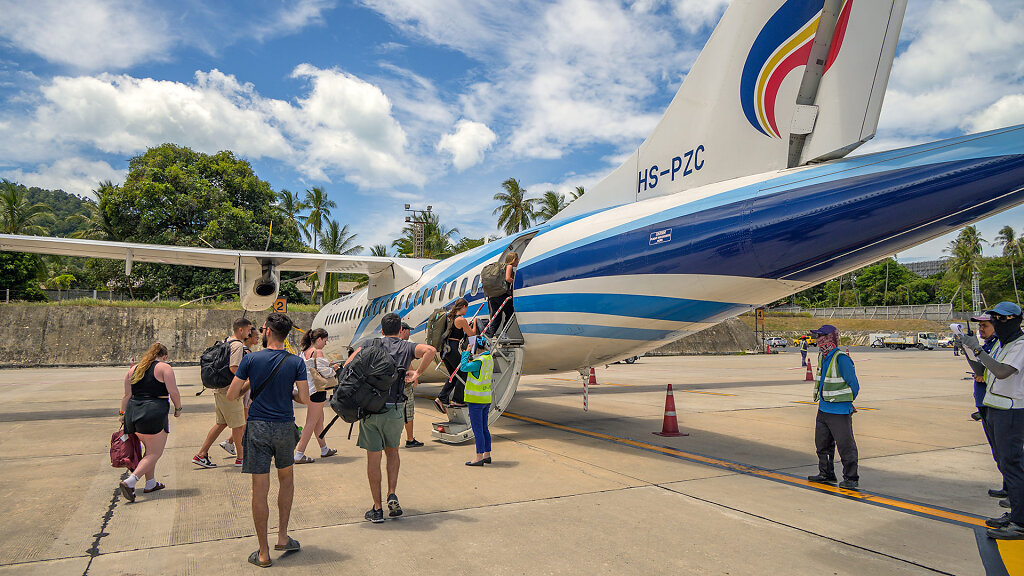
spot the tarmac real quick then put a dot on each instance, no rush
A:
(570, 491)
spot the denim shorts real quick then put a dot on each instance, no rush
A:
(265, 440)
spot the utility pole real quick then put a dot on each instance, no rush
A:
(976, 293)
(417, 220)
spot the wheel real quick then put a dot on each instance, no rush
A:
(631, 359)
(892, 346)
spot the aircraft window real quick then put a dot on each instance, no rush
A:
(476, 284)
(394, 302)
(432, 291)
(440, 293)
(462, 287)
(451, 292)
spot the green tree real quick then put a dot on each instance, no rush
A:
(60, 283)
(465, 244)
(965, 259)
(95, 225)
(1012, 249)
(18, 216)
(336, 240)
(550, 204)
(289, 205)
(319, 206)
(176, 196)
(437, 238)
(516, 211)
(576, 193)
(378, 250)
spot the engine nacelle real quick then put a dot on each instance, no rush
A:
(258, 286)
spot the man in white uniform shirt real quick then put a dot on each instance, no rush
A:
(1004, 376)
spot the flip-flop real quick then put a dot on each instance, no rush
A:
(254, 559)
(440, 406)
(158, 486)
(291, 546)
(128, 493)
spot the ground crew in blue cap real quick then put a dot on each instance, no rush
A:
(1004, 377)
(835, 391)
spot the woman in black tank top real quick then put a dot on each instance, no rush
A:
(144, 408)
(451, 355)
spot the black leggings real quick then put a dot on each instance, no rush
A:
(452, 359)
(498, 319)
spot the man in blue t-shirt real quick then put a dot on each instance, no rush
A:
(270, 432)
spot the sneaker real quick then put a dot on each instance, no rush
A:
(374, 515)
(976, 416)
(228, 447)
(414, 443)
(849, 484)
(822, 478)
(998, 522)
(998, 493)
(1009, 532)
(1005, 502)
(203, 461)
(395, 510)
(238, 462)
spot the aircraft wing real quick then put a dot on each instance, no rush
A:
(205, 257)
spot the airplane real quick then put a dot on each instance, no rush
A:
(743, 194)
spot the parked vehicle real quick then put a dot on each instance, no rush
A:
(921, 341)
(946, 342)
(877, 339)
(811, 340)
(629, 360)
(776, 341)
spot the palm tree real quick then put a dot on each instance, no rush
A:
(516, 211)
(1012, 249)
(97, 225)
(289, 205)
(966, 257)
(336, 240)
(17, 216)
(319, 206)
(550, 204)
(378, 250)
(437, 238)
(576, 193)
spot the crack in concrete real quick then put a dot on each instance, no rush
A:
(94, 551)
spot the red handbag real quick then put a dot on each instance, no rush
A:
(125, 450)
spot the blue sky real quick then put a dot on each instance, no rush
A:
(387, 102)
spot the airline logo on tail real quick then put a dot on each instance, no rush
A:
(783, 45)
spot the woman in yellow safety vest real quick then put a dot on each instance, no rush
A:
(478, 396)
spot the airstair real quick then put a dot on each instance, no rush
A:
(508, 354)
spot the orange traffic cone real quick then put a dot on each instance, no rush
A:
(670, 427)
(810, 373)
(593, 378)
(847, 350)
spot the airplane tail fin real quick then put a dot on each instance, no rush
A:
(780, 83)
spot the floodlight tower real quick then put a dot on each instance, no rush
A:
(418, 221)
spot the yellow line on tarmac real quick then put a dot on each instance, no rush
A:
(1012, 552)
(743, 468)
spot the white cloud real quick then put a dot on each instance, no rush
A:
(291, 17)
(467, 144)
(86, 34)
(1007, 111)
(75, 175)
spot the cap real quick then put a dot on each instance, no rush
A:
(1005, 309)
(826, 329)
(981, 318)
(406, 327)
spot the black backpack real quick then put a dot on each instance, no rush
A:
(215, 365)
(364, 385)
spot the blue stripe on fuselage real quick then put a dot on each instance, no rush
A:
(590, 331)
(634, 306)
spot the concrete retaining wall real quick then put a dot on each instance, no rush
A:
(109, 335)
(729, 337)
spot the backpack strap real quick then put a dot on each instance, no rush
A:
(256, 391)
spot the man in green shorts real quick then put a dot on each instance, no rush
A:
(383, 432)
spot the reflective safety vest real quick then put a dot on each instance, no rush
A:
(478, 388)
(832, 387)
(992, 399)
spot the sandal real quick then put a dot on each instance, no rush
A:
(254, 559)
(330, 452)
(304, 460)
(440, 406)
(158, 486)
(291, 546)
(128, 493)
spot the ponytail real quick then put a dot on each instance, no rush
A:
(155, 351)
(460, 303)
(312, 336)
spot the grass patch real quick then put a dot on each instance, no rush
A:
(169, 304)
(806, 324)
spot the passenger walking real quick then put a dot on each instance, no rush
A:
(249, 343)
(144, 408)
(1004, 395)
(501, 306)
(271, 433)
(382, 432)
(836, 389)
(452, 391)
(321, 371)
(410, 402)
(479, 371)
(227, 413)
